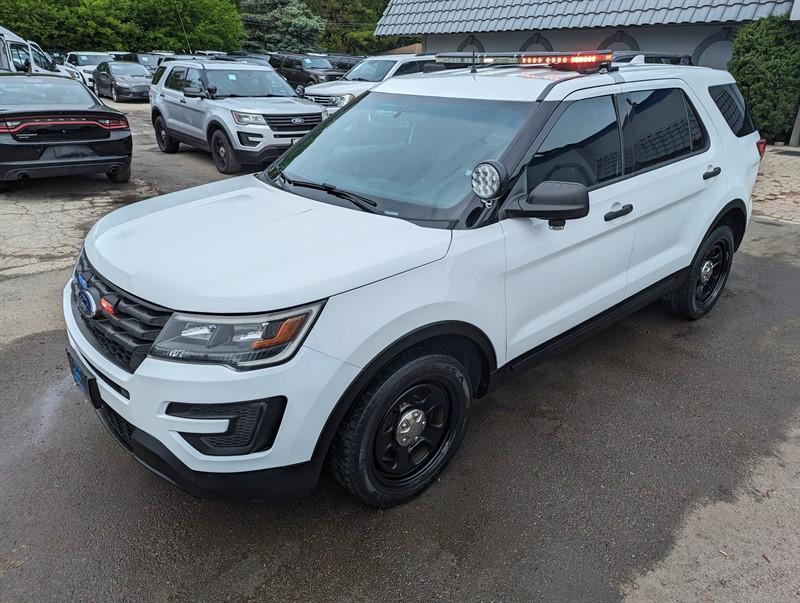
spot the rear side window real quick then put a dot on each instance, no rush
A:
(176, 78)
(159, 74)
(658, 126)
(582, 147)
(408, 68)
(730, 103)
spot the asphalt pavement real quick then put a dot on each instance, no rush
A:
(575, 482)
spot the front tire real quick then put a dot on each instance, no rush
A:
(114, 93)
(96, 89)
(119, 175)
(223, 153)
(166, 143)
(403, 430)
(707, 277)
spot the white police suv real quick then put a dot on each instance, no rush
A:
(427, 243)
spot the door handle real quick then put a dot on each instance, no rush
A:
(161, 95)
(712, 173)
(618, 213)
(183, 100)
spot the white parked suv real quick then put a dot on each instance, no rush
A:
(365, 75)
(239, 112)
(85, 63)
(415, 251)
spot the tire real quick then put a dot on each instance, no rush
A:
(121, 174)
(166, 143)
(368, 456)
(114, 93)
(96, 89)
(223, 153)
(707, 276)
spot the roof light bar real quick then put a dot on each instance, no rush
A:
(583, 61)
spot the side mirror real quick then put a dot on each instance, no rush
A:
(193, 93)
(212, 90)
(553, 201)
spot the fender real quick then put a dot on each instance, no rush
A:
(735, 204)
(408, 341)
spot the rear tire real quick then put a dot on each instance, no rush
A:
(707, 276)
(121, 174)
(223, 153)
(403, 430)
(166, 143)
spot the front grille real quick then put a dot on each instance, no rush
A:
(126, 337)
(324, 100)
(285, 123)
(122, 430)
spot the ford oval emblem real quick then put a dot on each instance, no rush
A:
(86, 304)
(298, 121)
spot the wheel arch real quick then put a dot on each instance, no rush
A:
(155, 114)
(465, 342)
(212, 127)
(734, 215)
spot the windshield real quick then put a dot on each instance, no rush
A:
(146, 59)
(247, 82)
(19, 91)
(369, 71)
(128, 69)
(93, 59)
(413, 155)
(316, 63)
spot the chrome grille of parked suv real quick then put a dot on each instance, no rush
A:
(125, 337)
(285, 123)
(324, 100)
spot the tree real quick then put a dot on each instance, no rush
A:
(125, 24)
(281, 25)
(766, 65)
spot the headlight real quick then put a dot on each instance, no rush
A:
(74, 75)
(240, 342)
(341, 101)
(246, 119)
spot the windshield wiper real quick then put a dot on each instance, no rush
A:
(361, 202)
(358, 79)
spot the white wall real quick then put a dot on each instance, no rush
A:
(685, 39)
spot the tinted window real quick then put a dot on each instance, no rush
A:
(20, 91)
(406, 68)
(733, 108)
(176, 78)
(582, 147)
(696, 131)
(159, 74)
(655, 127)
(275, 61)
(193, 80)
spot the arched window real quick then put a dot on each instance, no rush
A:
(471, 43)
(536, 43)
(619, 41)
(715, 51)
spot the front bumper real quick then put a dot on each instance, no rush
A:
(127, 94)
(312, 383)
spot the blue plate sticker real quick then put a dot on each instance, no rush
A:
(78, 376)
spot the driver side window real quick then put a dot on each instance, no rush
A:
(583, 146)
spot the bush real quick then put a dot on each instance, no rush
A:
(766, 65)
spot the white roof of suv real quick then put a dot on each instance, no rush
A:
(532, 83)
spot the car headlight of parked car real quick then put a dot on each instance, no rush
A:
(240, 342)
(246, 119)
(342, 100)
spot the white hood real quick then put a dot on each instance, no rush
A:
(272, 105)
(339, 87)
(240, 245)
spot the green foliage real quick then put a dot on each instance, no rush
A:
(281, 25)
(350, 25)
(766, 65)
(125, 24)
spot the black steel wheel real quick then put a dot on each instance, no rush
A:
(223, 154)
(166, 143)
(707, 276)
(403, 430)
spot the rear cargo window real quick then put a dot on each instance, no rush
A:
(733, 108)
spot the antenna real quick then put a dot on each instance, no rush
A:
(189, 46)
